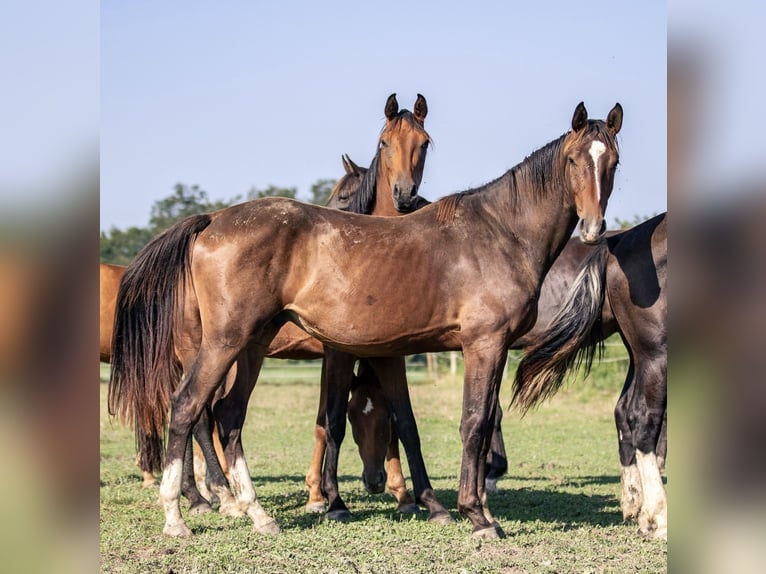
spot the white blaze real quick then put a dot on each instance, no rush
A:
(597, 149)
(368, 407)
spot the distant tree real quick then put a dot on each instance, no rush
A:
(628, 223)
(272, 191)
(119, 247)
(183, 202)
(320, 191)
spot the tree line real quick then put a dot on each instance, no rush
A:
(119, 246)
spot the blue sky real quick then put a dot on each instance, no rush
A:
(240, 94)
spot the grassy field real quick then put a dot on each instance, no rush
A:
(559, 503)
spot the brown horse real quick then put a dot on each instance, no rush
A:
(388, 187)
(475, 261)
(109, 276)
(622, 286)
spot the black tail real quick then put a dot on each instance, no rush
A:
(569, 341)
(144, 366)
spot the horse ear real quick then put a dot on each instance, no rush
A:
(614, 119)
(349, 166)
(392, 107)
(580, 117)
(421, 109)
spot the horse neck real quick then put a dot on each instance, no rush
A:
(539, 217)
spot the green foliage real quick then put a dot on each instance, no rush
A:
(628, 223)
(320, 191)
(119, 246)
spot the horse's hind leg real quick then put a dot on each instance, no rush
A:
(197, 503)
(230, 411)
(188, 402)
(662, 443)
(650, 402)
(632, 491)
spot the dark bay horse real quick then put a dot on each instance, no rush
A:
(473, 263)
(622, 287)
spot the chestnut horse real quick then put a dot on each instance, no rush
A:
(622, 286)
(475, 260)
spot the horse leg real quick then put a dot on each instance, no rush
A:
(632, 491)
(338, 370)
(230, 411)
(662, 443)
(484, 362)
(392, 376)
(316, 502)
(497, 460)
(188, 402)
(197, 503)
(395, 483)
(651, 402)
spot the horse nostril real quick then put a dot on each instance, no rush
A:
(414, 191)
(603, 227)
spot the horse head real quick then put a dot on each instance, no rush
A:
(591, 160)
(402, 150)
(370, 420)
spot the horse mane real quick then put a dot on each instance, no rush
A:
(364, 199)
(530, 180)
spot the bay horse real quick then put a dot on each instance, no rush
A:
(388, 187)
(109, 283)
(622, 287)
(475, 261)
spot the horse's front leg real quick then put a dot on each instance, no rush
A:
(316, 502)
(484, 362)
(392, 376)
(632, 491)
(395, 483)
(338, 370)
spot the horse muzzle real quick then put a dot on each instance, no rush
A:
(377, 484)
(592, 231)
(404, 197)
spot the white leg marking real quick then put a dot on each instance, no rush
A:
(632, 492)
(243, 486)
(170, 495)
(653, 518)
(597, 148)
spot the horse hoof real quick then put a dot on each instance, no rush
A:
(410, 508)
(176, 530)
(660, 534)
(149, 482)
(315, 507)
(269, 527)
(491, 533)
(338, 515)
(200, 508)
(490, 486)
(441, 518)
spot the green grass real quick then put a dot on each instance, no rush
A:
(559, 504)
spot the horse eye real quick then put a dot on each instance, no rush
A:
(425, 145)
(383, 144)
(571, 161)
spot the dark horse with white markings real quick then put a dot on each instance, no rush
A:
(462, 273)
(622, 286)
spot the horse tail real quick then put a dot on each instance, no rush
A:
(145, 370)
(570, 340)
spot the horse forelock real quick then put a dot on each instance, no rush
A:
(404, 119)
